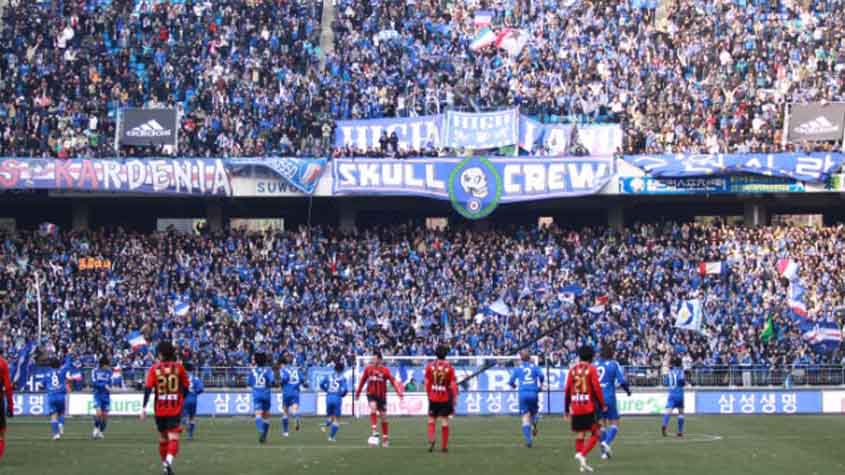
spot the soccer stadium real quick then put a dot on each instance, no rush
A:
(422, 236)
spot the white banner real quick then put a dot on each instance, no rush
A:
(81, 404)
(833, 402)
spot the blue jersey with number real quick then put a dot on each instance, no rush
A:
(101, 380)
(292, 380)
(610, 375)
(56, 382)
(334, 386)
(261, 381)
(528, 377)
(195, 388)
(675, 381)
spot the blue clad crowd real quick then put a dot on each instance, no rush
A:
(325, 295)
(251, 78)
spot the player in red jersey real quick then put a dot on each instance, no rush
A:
(442, 389)
(583, 399)
(169, 381)
(7, 403)
(376, 376)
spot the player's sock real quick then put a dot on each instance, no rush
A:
(431, 426)
(373, 422)
(611, 434)
(162, 450)
(61, 420)
(328, 422)
(266, 427)
(384, 429)
(444, 434)
(333, 433)
(680, 424)
(96, 423)
(191, 427)
(172, 450)
(526, 432)
(2, 448)
(579, 445)
(285, 424)
(588, 445)
(54, 426)
(103, 424)
(666, 420)
(259, 424)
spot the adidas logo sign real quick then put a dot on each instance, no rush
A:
(819, 125)
(150, 128)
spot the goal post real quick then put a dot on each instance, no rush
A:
(409, 370)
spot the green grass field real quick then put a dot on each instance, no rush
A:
(713, 445)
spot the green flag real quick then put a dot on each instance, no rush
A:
(768, 330)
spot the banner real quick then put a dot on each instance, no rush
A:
(810, 167)
(603, 139)
(94, 263)
(688, 314)
(302, 174)
(484, 130)
(145, 127)
(414, 133)
(474, 185)
(647, 185)
(164, 176)
(816, 122)
(758, 402)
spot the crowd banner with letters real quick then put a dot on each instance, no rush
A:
(646, 185)
(94, 263)
(604, 139)
(302, 174)
(809, 167)
(816, 122)
(474, 185)
(413, 133)
(146, 127)
(481, 130)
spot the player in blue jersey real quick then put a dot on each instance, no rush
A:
(336, 389)
(261, 381)
(101, 381)
(675, 380)
(610, 376)
(58, 388)
(189, 411)
(292, 380)
(529, 378)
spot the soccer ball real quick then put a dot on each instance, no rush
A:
(373, 441)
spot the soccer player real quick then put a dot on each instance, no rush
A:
(101, 380)
(7, 403)
(261, 380)
(336, 389)
(583, 398)
(292, 380)
(169, 382)
(676, 381)
(530, 379)
(610, 375)
(442, 389)
(58, 387)
(376, 376)
(195, 388)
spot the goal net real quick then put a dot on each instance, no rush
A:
(409, 372)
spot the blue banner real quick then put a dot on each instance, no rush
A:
(302, 174)
(557, 139)
(413, 133)
(487, 181)
(810, 167)
(758, 402)
(647, 185)
(481, 130)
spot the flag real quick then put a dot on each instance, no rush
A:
(568, 293)
(795, 300)
(688, 314)
(136, 340)
(788, 269)
(483, 39)
(599, 304)
(711, 268)
(824, 336)
(47, 229)
(499, 307)
(512, 40)
(483, 19)
(768, 331)
(180, 308)
(25, 363)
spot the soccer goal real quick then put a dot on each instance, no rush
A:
(409, 371)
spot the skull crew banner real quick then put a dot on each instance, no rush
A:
(474, 185)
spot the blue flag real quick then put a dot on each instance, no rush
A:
(688, 314)
(25, 363)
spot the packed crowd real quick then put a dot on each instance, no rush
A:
(326, 295)
(706, 76)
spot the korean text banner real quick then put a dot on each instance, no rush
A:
(809, 167)
(758, 402)
(161, 176)
(646, 185)
(414, 133)
(505, 180)
(482, 130)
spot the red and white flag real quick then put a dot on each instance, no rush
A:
(710, 268)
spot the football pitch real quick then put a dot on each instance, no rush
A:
(478, 445)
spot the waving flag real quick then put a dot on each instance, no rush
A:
(599, 304)
(483, 39)
(795, 300)
(824, 336)
(136, 340)
(788, 269)
(483, 18)
(688, 315)
(512, 41)
(567, 294)
(712, 268)
(180, 308)
(499, 307)
(25, 363)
